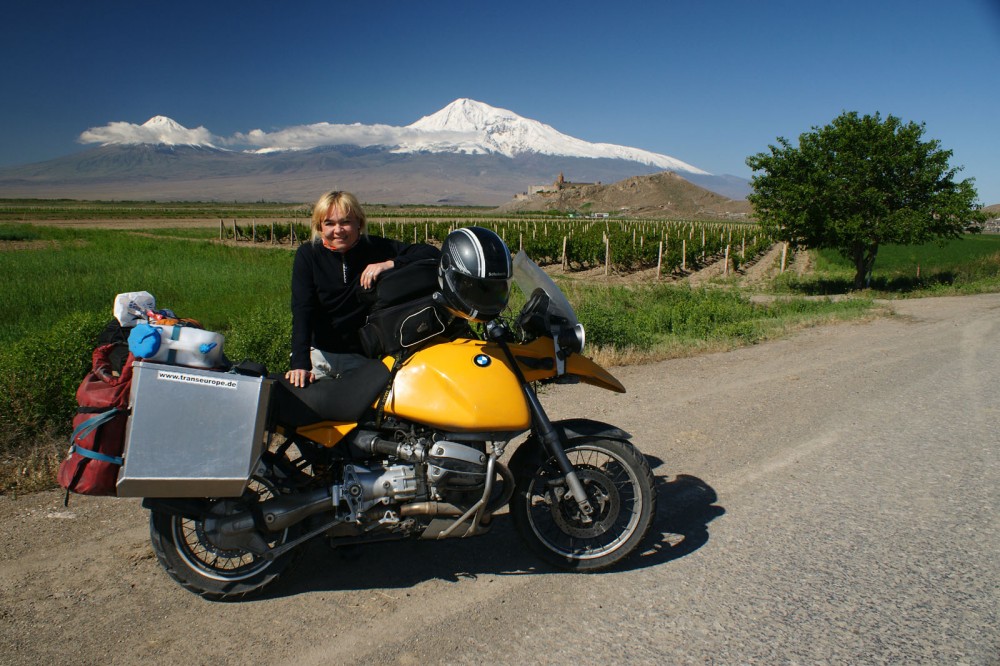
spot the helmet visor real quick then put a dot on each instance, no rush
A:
(487, 296)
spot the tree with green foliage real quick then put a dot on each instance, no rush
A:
(860, 183)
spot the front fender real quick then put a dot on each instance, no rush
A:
(571, 428)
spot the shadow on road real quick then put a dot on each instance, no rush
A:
(685, 506)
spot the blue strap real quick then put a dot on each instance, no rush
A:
(88, 427)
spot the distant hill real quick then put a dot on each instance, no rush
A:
(656, 195)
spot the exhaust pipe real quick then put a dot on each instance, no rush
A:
(430, 509)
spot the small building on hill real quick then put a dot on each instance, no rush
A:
(559, 185)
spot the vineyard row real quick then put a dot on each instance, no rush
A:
(616, 245)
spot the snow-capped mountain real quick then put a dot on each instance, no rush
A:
(466, 153)
(463, 127)
(471, 127)
(158, 130)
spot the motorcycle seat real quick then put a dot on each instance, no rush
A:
(343, 399)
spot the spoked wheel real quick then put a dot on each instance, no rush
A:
(214, 565)
(619, 485)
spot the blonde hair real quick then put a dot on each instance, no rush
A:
(345, 201)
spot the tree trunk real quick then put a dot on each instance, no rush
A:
(864, 263)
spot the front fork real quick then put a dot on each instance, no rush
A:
(550, 440)
(550, 437)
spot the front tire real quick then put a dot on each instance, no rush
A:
(187, 551)
(619, 484)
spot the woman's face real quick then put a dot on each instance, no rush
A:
(340, 231)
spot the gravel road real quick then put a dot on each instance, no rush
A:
(827, 498)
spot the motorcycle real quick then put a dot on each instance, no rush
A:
(413, 446)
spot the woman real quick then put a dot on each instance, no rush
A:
(328, 274)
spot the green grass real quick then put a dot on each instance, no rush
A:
(902, 259)
(967, 265)
(665, 317)
(86, 268)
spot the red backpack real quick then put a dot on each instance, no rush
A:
(98, 439)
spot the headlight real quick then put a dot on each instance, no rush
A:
(572, 339)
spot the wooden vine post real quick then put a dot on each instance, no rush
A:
(565, 262)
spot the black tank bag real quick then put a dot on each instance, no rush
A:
(404, 314)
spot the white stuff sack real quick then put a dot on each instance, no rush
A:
(131, 307)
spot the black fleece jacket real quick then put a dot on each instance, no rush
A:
(326, 310)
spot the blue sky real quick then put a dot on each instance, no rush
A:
(706, 82)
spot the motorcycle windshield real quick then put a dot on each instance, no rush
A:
(528, 277)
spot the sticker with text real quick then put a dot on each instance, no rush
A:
(183, 377)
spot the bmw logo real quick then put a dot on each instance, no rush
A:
(482, 360)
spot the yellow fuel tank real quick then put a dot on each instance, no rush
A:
(464, 385)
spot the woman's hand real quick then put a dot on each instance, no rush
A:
(372, 271)
(300, 378)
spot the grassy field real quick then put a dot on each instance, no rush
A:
(64, 271)
(970, 264)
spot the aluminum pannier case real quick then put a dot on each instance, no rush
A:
(192, 432)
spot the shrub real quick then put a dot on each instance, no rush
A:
(39, 375)
(601, 311)
(18, 233)
(262, 334)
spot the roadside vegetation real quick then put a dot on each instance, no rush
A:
(60, 284)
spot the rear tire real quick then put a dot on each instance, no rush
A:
(619, 484)
(186, 551)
